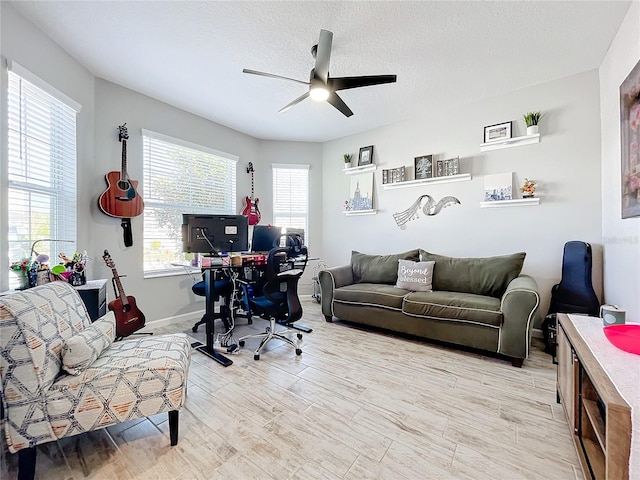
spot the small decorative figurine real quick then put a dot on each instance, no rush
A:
(528, 188)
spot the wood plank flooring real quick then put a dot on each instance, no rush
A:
(355, 405)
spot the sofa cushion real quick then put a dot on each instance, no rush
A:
(456, 306)
(415, 276)
(378, 268)
(481, 276)
(81, 350)
(377, 294)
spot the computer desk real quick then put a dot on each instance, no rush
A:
(209, 279)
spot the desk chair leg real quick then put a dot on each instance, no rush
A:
(271, 334)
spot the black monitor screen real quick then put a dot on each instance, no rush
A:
(265, 237)
(202, 233)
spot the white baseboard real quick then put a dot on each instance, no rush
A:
(163, 322)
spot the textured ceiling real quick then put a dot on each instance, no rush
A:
(191, 54)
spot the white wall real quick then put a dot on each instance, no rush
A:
(621, 238)
(271, 152)
(566, 163)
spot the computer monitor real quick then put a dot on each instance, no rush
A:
(265, 237)
(205, 233)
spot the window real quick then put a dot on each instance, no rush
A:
(291, 197)
(41, 170)
(180, 177)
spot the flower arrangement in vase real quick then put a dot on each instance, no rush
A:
(528, 189)
(21, 270)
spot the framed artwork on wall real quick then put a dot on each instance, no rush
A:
(366, 156)
(495, 133)
(630, 141)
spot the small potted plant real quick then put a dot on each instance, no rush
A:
(528, 189)
(532, 119)
(347, 159)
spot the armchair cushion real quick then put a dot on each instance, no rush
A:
(82, 349)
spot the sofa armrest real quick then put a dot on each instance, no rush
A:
(330, 279)
(519, 305)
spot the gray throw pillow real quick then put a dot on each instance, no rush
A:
(482, 276)
(83, 348)
(378, 268)
(415, 276)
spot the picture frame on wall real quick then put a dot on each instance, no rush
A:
(423, 166)
(365, 157)
(497, 132)
(629, 141)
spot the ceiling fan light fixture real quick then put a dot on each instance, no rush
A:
(319, 93)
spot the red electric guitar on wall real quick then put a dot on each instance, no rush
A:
(250, 203)
(129, 318)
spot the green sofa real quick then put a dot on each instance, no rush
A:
(482, 303)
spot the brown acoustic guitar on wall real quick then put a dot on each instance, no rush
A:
(129, 318)
(121, 198)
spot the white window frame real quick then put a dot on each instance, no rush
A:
(284, 207)
(41, 166)
(170, 240)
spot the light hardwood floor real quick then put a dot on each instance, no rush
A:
(356, 405)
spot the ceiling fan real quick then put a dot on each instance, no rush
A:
(321, 86)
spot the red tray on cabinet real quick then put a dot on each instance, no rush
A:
(625, 337)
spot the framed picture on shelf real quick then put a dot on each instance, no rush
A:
(366, 156)
(495, 133)
(423, 166)
(439, 168)
(452, 166)
(498, 187)
(385, 176)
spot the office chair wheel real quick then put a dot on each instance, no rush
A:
(299, 335)
(194, 328)
(298, 351)
(241, 343)
(256, 357)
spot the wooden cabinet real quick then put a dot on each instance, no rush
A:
(599, 417)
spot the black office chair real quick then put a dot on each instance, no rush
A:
(279, 302)
(221, 287)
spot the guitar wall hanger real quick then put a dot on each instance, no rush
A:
(121, 198)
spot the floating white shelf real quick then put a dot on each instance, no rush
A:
(360, 212)
(462, 177)
(364, 168)
(518, 202)
(510, 142)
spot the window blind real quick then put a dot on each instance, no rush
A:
(291, 196)
(41, 171)
(180, 177)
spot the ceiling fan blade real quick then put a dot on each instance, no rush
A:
(323, 55)
(337, 102)
(295, 102)
(271, 75)
(344, 83)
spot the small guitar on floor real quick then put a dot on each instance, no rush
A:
(250, 203)
(129, 318)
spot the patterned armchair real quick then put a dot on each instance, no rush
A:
(62, 375)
